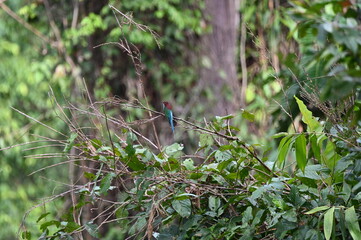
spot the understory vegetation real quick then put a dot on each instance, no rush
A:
(226, 189)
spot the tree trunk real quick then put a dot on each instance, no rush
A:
(219, 72)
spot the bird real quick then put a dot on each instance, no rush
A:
(167, 109)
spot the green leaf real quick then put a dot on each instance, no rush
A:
(214, 203)
(219, 179)
(307, 117)
(182, 207)
(174, 150)
(205, 140)
(247, 215)
(70, 226)
(352, 223)
(92, 229)
(26, 235)
(105, 183)
(45, 225)
(280, 134)
(357, 187)
(42, 216)
(90, 176)
(346, 192)
(256, 194)
(131, 137)
(317, 209)
(134, 163)
(220, 118)
(300, 146)
(283, 149)
(315, 147)
(103, 159)
(189, 164)
(103, 149)
(328, 223)
(222, 156)
(122, 214)
(344, 163)
(290, 215)
(247, 115)
(312, 172)
(130, 150)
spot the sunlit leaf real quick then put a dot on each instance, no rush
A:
(189, 164)
(205, 140)
(281, 134)
(328, 223)
(352, 223)
(317, 209)
(174, 150)
(307, 117)
(45, 225)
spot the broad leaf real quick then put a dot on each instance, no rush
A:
(222, 156)
(328, 223)
(189, 164)
(300, 146)
(105, 183)
(182, 207)
(352, 223)
(307, 117)
(214, 203)
(174, 150)
(247, 115)
(92, 229)
(205, 140)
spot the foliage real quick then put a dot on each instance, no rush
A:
(232, 193)
(26, 73)
(309, 188)
(329, 42)
(34, 60)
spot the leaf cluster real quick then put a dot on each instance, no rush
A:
(227, 189)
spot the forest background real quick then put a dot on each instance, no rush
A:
(74, 73)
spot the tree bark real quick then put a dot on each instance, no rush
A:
(219, 72)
